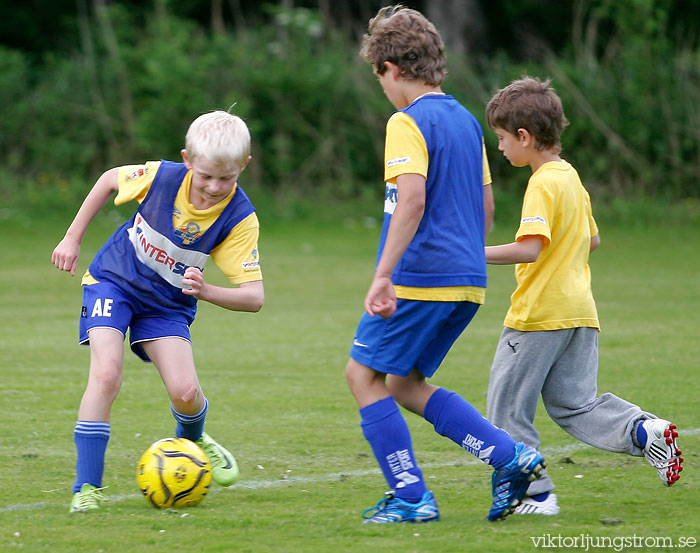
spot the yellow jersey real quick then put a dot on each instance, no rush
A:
(554, 292)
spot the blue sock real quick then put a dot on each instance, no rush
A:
(190, 426)
(454, 417)
(386, 431)
(90, 439)
(641, 434)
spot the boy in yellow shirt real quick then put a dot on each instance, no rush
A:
(549, 345)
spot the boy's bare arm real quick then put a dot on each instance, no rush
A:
(66, 254)
(381, 297)
(595, 242)
(489, 210)
(525, 250)
(249, 296)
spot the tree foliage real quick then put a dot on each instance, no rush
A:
(124, 83)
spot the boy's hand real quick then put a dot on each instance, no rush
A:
(193, 282)
(381, 298)
(66, 254)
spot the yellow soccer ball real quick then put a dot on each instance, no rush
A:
(174, 472)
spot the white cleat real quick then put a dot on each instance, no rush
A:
(531, 506)
(662, 451)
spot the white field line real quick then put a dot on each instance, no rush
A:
(254, 484)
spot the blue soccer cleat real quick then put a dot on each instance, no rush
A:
(393, 509)
(509, 484)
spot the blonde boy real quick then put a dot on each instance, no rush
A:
(148, 277)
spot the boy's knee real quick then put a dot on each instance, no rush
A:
(186, 397)
(366, 384)
(190, 393)
(399, 390)
(355, 374)
(403, 389)
(108, 381)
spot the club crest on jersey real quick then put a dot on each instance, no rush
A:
(188, 233)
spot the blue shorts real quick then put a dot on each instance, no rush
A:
(106, 305)
(418, 335)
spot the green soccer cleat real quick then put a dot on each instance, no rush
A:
(87, 499)
(223, 464)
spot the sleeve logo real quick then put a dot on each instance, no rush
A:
(397, 161)
(137, 173)
(537, 219)
(251, 265)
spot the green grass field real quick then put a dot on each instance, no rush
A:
(278, 398)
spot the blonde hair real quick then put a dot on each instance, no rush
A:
(221, 137)
(406, 38)
(529, 104)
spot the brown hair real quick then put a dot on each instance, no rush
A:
(529, 104)
(405, 37)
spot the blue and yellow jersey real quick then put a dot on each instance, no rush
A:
(150, 252)
(237, 256)
(436, 137)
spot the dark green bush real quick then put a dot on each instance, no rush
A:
(317, 115)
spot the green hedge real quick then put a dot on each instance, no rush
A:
(317, 114)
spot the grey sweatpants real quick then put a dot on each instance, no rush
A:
(562, 366)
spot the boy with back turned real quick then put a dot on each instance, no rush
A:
(430, 277)
(549, 345)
